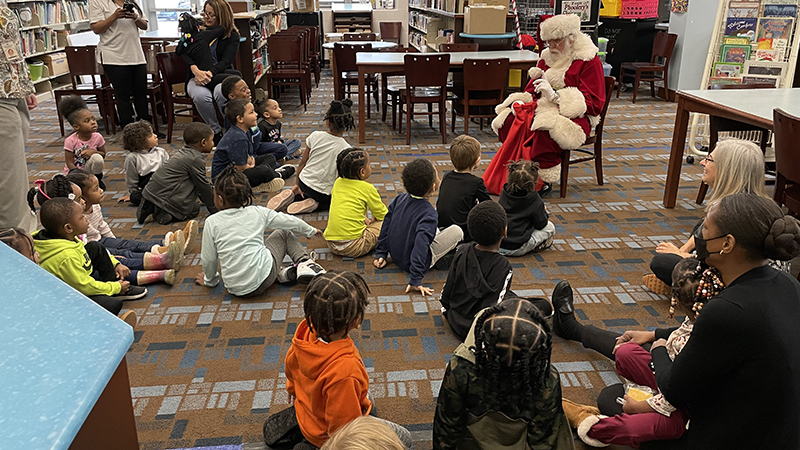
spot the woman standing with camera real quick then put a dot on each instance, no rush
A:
(120, 52)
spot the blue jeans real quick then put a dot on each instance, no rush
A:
(537, 237)
(293, 145)
(126, 248)
(276, 149)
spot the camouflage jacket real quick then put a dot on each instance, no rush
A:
(15, 80)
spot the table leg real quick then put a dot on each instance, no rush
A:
(361, 124)
(676, 155)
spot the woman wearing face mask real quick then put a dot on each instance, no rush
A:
(734, 166)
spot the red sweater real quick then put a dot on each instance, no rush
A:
(329, 382)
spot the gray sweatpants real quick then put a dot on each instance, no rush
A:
(203, 100)
(14, 127)
(279, 243)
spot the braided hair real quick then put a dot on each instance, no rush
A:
(522, 176)
(693, 285)
(512, 355)
(339, 117)
(333, 301)
(13, 237)
(234, 188)
(80, 177)
(349, 163)
(58, 186)
(70, 106)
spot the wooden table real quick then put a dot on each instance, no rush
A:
(753, 107)
(392, 62)
(374, 44)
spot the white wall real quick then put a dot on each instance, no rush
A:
(694, 29)
(398, 14)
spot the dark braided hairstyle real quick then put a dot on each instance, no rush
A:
(522, 176)
(15, 238)
(234, 188)
(693, 285)
(58, 186)
(512, 355)
(80, 177)
(333, 301)
(69, 106)
(339, 116)
(349, 163)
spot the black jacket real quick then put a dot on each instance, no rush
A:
(458, 194)
(477, 280)
(195, 54)
(526, 213)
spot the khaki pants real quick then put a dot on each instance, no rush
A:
(363, 245)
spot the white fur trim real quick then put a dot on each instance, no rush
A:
(585, 426)
(567, 134)
(500, 120)
(524, 97)
(593, 121)
(559, 26)
(535, 73)
(582, 49)
(572, 103)
(551, 174)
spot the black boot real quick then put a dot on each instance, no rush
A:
(144, 210)
(601, 341)
(564, 323)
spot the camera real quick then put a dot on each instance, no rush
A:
(128, 6)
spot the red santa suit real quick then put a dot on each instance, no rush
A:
(577, 78)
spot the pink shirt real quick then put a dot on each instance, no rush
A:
(75, 145)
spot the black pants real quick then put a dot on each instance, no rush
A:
(663, 264)
(263, 172)
(136, 196)
(129, 81)
(103, 271)
(324, 200)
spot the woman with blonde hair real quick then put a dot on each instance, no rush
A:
(734, 166)
(204, 84)
(364, 433)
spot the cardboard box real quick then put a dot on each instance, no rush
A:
(485, 19)
(56, 63)
(304, 5)
(238, 6)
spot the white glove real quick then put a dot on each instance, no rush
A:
(543, 88)
(513, 110)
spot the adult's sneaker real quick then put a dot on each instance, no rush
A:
(307, 270)
(133, 293)
(145, 209)
(303, 206)
(286, 171)
(273, 185)
(281, 200)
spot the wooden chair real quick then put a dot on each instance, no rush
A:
(391, 85)
(391, 31)
(485, 83)
(287, 66)
(655, 70)
(306, 36)
(460, 47)
(344, 63)
(154, 91)
(359, 37)
(82, 63)
(455, 85)
(787, 168)
(172, 70)
(717, 124)
(426, 82)
(596, 138)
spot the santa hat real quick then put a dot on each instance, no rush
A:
(560, 26)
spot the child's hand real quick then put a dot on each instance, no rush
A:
(121, 271)
(318, 233)
(632, 406)
(422, 290)
(123, 287)
(639, 337)
(369, 221)
(124, 198)
(200, 279)
(251, 162)
(88, 152)
(297, 191)
(380, 263)
(666, 247)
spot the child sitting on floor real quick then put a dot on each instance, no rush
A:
(85, 148)
(364, 433)
(409, 233)
(653, 419)
(317, 171)
(349, 231)
(87, 268)
(233, 238)
(528, 227)
(270, 115)
(171, 195)
(236, 147)
(499, 389)
(461, 190)
(142, 158)
(324, 371)
(22, 242)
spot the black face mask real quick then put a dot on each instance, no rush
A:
(701, 251)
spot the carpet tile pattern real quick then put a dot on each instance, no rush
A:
(206, 368)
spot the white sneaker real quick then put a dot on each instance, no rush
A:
(287, 274)
(307, 270)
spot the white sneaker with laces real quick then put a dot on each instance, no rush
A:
(308, 269)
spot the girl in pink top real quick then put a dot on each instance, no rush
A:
(85, 148)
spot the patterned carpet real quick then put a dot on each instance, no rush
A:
(206, 368)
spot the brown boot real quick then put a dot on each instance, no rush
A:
(576, 412)
(656, 286)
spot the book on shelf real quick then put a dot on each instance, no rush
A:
(761, 79)
(775, 27)
(745, 26)
(728, 70)
(715, 81)
(780, 10)
(732, 53)
(743, 9)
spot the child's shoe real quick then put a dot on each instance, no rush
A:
(308, 269)
(129, 317)
(287, 274)
(190, 233)
(304, 206)
(273, 185)
(144, 210)
(169, 277)
(175, 253)
(133, 293)
(544, 245)
(285, 171)
(655, 285)
(280, 201)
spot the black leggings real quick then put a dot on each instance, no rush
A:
(324, 200)
(663, 264)
(263, 172)
(103, 271)
(129, 81)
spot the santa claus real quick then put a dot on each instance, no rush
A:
(559, 107)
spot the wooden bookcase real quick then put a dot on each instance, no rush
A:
(352, 17)
(254, 28)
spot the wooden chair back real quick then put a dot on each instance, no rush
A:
(787, 163)
(360, 37)
(487, 75)
(460, 47)
(663, 45)
(151, 49)
(82, 62)
(286, 50)
(426, 71)
(399, 49)
(391, 31)
(172, 67)
(345, 56)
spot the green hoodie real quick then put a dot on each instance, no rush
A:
(69, 261)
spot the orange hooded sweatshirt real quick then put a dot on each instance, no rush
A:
(329, 382)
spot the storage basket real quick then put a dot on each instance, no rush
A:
(639, 9)
(611, 8)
